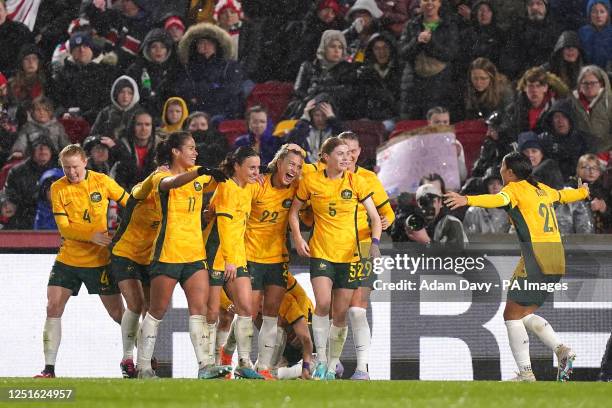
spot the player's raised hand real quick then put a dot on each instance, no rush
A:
(454, 200)
(302, 247)
(230, 272)
(101, 238)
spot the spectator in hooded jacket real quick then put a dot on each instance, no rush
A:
(567, 59)
(531, 40)
(380, 79)
(260, 136)
(98, 155)
(41, 124)
(159, 60)
(330, 77)
(545, 169)
(111, 120)
(592, 105)
(364, 16)
(562, 141)
(13, 34)
(596, 37)
(487, 90)
(211, 145)
(44, 218)
(136, 151)
(173, 115)
(482, 38)
(211, 80)
(428, 47)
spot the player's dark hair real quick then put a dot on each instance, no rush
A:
(164, 148)
(329, 145)
(238, 157)
(521, 167)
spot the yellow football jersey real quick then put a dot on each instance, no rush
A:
(296, 303)
(224, 235)
(335, 203)
(532, 213)
(266, 233)
(381, 201)
(135, 236)
(312, 167)
(80, 210)
(179, 236)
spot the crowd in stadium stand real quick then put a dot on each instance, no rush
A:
(119, 75)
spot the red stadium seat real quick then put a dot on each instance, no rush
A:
(471, 134)
(371, 135)
(231, 129)
(406, 126)
(5, 171)
(274, 95)
(77, 129)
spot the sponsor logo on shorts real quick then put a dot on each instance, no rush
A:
(346, 194)
(197, 186)
(95, 197)
(217, 274)
(323, 266)
(287, 203)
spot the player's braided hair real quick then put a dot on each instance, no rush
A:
(238, 157)
(521, 167)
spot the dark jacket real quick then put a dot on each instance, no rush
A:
(22, 189)
(491, 154)
(548, 172)
(380, 86)
(597, 44)
(113, 119)
(44, 219)
(13, 35)
(268, 144)
(163, 76)
(568, 72)
(126, 171)
(210, 85)
(529, 45)
(339, 83)
(303, 129)
(565, 149)
(212, 147)
(71, 81)
(250, 42)
(481, 41)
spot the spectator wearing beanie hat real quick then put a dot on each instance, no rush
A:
(596, 36)
(175, 27)
(545, 170)
(30, 81)
(305, 38)
(83, 82)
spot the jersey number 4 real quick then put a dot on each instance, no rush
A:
(86, 216)
(548, 213)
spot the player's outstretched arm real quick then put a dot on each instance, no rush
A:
(455, 200)
(180, 180)
(569, 195)
(301, 330)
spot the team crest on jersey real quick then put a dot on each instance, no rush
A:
(95, 197)
(197, 186)
(346, 194)
(287, 203)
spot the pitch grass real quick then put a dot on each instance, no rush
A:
(315, 394)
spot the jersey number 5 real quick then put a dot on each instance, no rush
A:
(548, 213)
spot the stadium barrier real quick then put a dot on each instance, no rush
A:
(417, 334)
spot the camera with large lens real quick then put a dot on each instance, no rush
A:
(415, 221)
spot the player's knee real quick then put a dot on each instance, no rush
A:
(55, 308)
(322, 309)
(135, 305)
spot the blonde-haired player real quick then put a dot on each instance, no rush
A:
(359, 303)
(80, 202)
(335, 194)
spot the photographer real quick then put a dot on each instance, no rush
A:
(431, 221)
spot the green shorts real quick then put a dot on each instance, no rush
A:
(343, 275)
(263, 275)
(179, 271)
(365, 274)
(215, 278)
(124, 268)
(97, 280)
(529, 289)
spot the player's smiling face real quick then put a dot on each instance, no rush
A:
(354, 150)
(290, 168)
(338, 159)
(74, 168)
(187, 154)
(248, 171)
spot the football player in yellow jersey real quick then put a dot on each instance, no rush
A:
(178, 255)
(80, 204)
(266, 243)
(226, 251)
(530, 207)
(335, 194)
(359, 303)
(129, 267)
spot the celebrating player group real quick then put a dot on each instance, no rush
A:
(231, 257)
